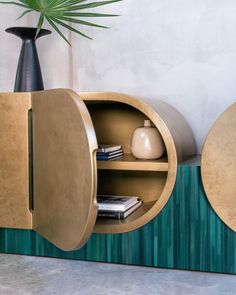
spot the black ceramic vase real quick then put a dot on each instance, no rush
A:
(28, 75)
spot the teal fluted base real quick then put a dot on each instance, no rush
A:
(187, 234)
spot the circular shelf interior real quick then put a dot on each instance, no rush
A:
(151, 180)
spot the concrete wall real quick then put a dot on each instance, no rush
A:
(180, 51)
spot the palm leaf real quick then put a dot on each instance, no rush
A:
(15, 3)
(24, 13)
(88, 14)
(69, 27)
(40, 24)
(81, 22)
(62, 12)
(57, 30)
(91, 5)
(65, 5)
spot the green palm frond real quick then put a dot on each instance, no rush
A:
(63, 13)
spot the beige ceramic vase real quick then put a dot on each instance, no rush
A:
(147, 143)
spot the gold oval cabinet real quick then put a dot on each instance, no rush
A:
(65, 174)
(218, 167)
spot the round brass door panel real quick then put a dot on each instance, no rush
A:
(65, 172)
(218, 167)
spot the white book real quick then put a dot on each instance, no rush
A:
(110, 153)
(119, 214)
(116, 203)
(105, 148)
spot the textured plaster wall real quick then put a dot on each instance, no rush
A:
(9, 48)
(180, 51)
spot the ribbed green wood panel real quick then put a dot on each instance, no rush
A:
(187, 234)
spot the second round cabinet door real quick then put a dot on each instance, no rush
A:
(64, 168)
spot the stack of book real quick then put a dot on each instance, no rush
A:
(118, 207)
(109, 152)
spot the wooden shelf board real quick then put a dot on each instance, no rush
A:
(128, 162)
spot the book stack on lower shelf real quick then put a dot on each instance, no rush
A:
(118, 207)
(109, 152)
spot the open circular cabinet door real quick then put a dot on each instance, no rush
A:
(218, 167)
(64, 168)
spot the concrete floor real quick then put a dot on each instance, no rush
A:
(26, 275)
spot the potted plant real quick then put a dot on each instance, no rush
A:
(58, 13)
